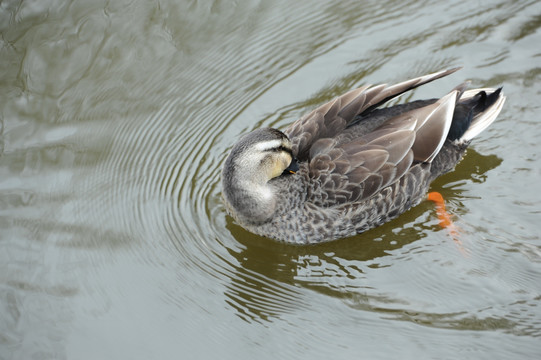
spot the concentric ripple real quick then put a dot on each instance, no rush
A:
(115, 122)
(163, 167)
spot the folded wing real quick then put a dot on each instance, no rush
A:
(333, 117)
(356, 170)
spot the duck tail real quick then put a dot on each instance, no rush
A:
(474, 112)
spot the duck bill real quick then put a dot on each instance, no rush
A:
(293, 167)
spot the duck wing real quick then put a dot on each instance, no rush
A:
(356, 170)
(332, 118)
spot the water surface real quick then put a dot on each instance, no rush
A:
(115, 118)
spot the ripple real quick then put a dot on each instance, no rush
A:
(119, 119)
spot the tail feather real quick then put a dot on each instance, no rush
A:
(474, 112)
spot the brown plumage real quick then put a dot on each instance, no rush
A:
(358, 165)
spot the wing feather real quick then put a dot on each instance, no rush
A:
(333, 117)
(358, 169)
(343, 171)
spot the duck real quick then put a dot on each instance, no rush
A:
(352, 164)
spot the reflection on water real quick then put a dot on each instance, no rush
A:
(114, 122)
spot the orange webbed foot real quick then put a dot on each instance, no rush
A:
(445, 219)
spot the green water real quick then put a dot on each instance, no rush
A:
(115, 118)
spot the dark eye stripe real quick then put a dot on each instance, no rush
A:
(282, 148)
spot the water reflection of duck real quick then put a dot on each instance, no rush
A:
(348, 166)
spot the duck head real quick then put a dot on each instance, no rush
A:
(257, 158)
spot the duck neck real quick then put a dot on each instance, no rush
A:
(250, 199)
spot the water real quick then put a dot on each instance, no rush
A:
(115, 119)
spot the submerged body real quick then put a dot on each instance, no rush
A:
(348, 166)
